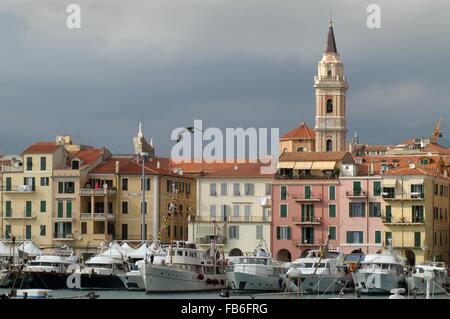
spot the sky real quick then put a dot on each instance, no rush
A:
(230, 63)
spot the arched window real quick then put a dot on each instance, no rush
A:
(329, 73)
(300, 149)
(329, 145)
(329, 106)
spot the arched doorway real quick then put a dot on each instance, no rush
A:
(329, 145)
(284, 255)
(357, 251)
(410, 257)
(235, 252)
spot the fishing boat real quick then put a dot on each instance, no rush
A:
(257, 273)
(99, 272)
(184, 268)
(321, 271)
(380, 273)
(434, 272)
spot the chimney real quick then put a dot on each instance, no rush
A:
(371, 168)
(117, 167)
(158, 164)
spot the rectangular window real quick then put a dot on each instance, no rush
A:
(376, 188)
(145, 207)
(8, 231)
(223, 189)
(283, 192)
(283, 233)
(355, 237)
(28, 208)
(332, 232)
(387, 238)
(374, 209)
(388, 213)
(247, 212)
(212, 211)
(69, 209)
(124, 231)
(307, 212)
(268, 189)
(43, 163)
(45, 181)
(332, 210)
(417, 214)
(42, 230)
(43, 206)
(124, 184)
(212, 189)
(66, 187)
(83, 228)
(60, 209)
(28, 231)
(147, 183)
(124, 207)
(75, 164)
(224, 212)
(417, 239)
(283, 210)
(307, 192)
(332, 192)
(356, 188)
(249, 189)
(29, 163)
(233, 232)
(259, 232)
(8, 208)
(357, 209)
(8, 183)
(307, 235)
(236, 210)
(378, 237)
(236, 189)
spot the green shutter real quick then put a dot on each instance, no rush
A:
(357, 188)
(283, 192)
(43, 230)
(7, 231)
(363, 208)
(417, 239)
(8, 208)
(28, 232)
(378, 237)
(69, 209)
(43, 163)
(332, 192)
(388, 213)
(60, 209)
(278, 233)
(350, 209)
(28, 208)
(332, 231)
(307, 192)
(349, 237)
(376, 188)
(283, 210)
(332, 210)
(43, 206)
(288, 233)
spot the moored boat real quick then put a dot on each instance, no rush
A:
(434, 272)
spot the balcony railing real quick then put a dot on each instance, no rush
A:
(11, 169)
(304, 198)
(230, 219)
(207, 240)
(305, 177)
(403, 221)
(20, 215)
(304, 243)
(356, 194)
(405, 196)
(307, 220)
(63, 236)
(97, 216)
(97, 192)
(26, 189)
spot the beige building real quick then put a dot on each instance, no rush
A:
(299, 139)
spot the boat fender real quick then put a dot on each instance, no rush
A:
(215, 282)
(208, 281)
(222, 282)
(200, 277)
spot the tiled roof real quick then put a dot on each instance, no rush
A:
(42, 148)
(303, 131)
(240, 170)
(88, 156)
(407, 170)
(315, 156)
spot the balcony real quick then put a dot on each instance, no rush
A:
(266, 201)
(63, 236)
(11, 169)
(403, 221)
(413, 196)
(98, 192)
(18, 216)
(356, 194)
(308, 220)
(230, 219)
(97, 216)
(304, 198)
(19, 189)
(220, 240)
(304, 243)
(306, 177)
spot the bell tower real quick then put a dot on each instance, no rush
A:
(331, 88)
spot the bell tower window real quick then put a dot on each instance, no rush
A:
(329, 145)
(300, 149)
(329, 106)
(329, 73)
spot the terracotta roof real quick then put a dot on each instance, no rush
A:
(240, 170)
(303, 131)
(406, 170)
(88, 156)
(42, 148)
(316, 156)
(437, 148)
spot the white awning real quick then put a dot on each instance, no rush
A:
(285, 164)
(323, 165)
(389, 182)
(303, 165)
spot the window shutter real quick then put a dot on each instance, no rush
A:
(363, 209)
(278, 233)
(289, 233)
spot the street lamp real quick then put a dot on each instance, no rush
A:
(143, 156)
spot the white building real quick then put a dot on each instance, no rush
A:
(234, 208)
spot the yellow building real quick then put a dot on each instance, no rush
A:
(299, 139)
(416, 210)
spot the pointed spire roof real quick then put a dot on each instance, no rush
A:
(331, 42)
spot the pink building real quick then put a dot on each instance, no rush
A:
(305, 201)
(360, 214)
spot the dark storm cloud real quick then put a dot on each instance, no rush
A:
(231, 63)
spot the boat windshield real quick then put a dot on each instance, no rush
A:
(253, 261)
(107, 266)
(43, 263)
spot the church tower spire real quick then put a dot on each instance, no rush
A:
(331, 87)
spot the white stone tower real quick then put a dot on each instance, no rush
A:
(331, 87)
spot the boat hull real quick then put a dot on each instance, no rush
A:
(96, 282)
(377, 283)
(171, 279)
(418, 286)
(45, 280)
(315, 283)
(240, 281)
(133, 281)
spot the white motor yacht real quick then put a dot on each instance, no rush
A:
(434, 272)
